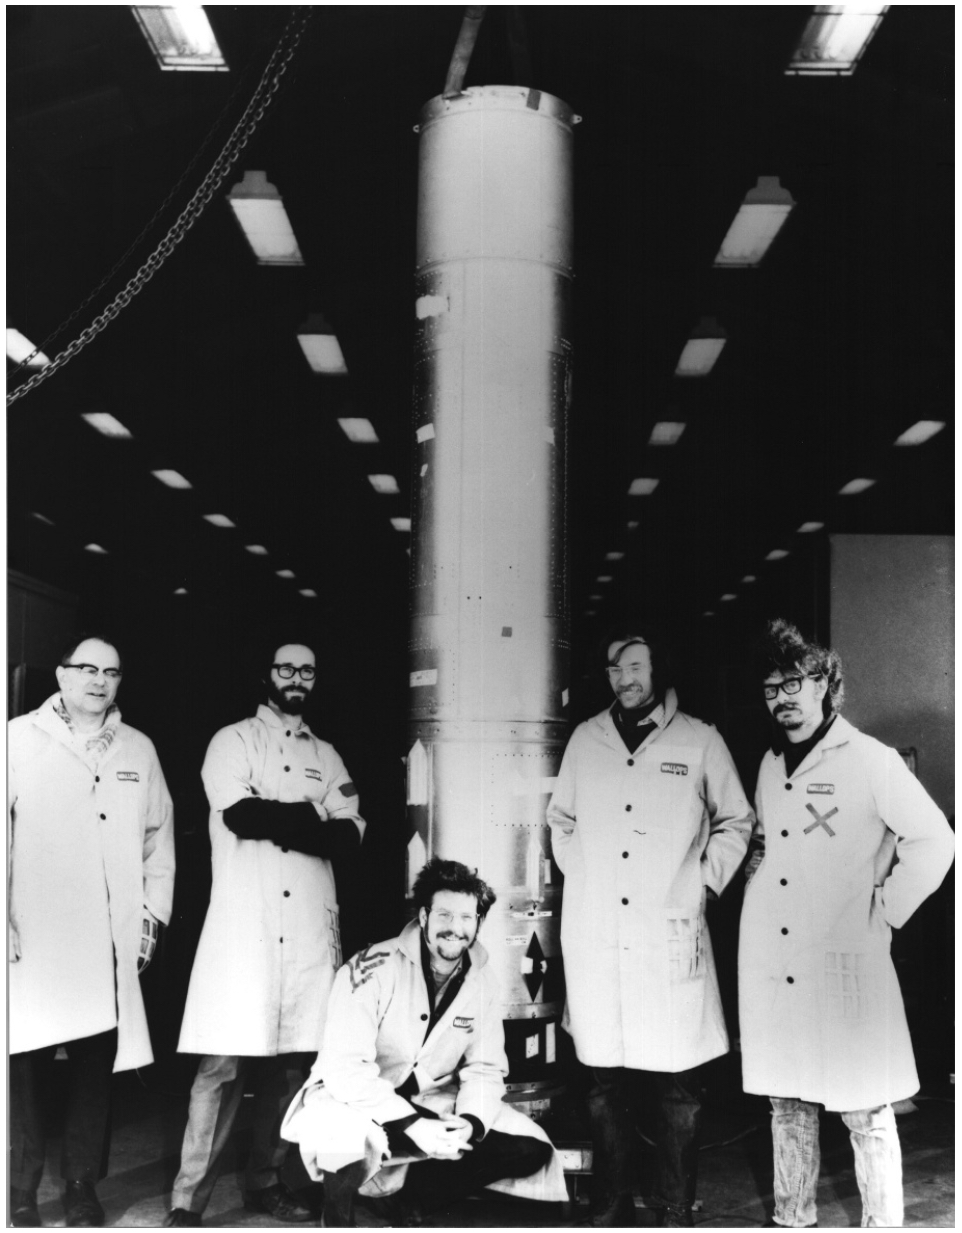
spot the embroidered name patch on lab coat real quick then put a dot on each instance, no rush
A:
(130, 776)
(464, 1021)
(674, 768)
(822, 789)
(311, 773)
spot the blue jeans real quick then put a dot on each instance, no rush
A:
(878, 1163)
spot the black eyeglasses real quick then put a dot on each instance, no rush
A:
(112, 674)
(791, 685)
(287, 671)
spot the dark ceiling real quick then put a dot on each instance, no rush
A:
(840, 341)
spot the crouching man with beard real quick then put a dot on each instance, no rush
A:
(406, 1098)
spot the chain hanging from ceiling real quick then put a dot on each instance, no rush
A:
(245, 128)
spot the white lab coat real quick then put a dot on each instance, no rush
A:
(270, 944)
(639, 837)
(820, 1008)
(374, 1041)
(89, 852)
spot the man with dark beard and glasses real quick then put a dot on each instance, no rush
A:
(282, 806)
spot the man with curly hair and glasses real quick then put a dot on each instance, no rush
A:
(283, 807)
(846, 846)
(408, 1088)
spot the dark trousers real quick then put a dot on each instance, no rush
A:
(613, 1093)
(89, 1066)
(436, 1184)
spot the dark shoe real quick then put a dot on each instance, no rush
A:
(618, 1213)
(277, 1201)
(82, 1206)
(677, 1218)
(23, 1209)
(181, 1218)
(395, 1210)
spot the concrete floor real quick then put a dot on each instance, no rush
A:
(734, 1186)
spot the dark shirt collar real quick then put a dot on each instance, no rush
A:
(797, 751)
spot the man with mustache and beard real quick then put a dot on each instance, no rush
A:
(648, 820)
(408, 1089)
(848, 845)
(282, 807)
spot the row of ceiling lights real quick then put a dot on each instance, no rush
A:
(832, 43)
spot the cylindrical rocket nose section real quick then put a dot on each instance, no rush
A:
(489, 642)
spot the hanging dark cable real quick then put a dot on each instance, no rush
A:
(461, 56)
(245, 128)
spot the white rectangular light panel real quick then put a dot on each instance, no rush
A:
(834, 39)
(19, 347)
(173, 479)
(749, 578)
(777, 554)
(666, 432)
(360, 431)
(42, 518)
(614, 556)
(920, 432)
(258, 550)
(308, 592)
(401, 524)
(605, 578)
(95, 549)
(385, 484)
(323, 353)
(698, 356)
(808, 527)
(726, 599)
(259, 208)
(218, 520)
(285, 573)
(105, 423)
(180, 37)
(642, 487)
(855, 486)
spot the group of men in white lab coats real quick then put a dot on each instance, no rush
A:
(404, 1104)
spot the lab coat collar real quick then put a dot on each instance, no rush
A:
(661, 717)
(46, 718)
(409, 943)
(840, 733)
(270, 717)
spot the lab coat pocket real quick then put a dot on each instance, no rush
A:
(686, 951)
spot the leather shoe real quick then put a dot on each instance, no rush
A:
(181, 1218)
(277, 1201)
(82, 1206)
(23, 1209)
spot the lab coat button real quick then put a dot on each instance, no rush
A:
(790, 979)
(631, 762)
(103, 817)
(285, 849)
(96, 779)
(627, 809)
(287, 734)
(624, 901)
(423, 1017)
(784, 834)
(784, 930)
(625, 855)
(287, 768)
(788, 787)
(783, 881)
(287, 894)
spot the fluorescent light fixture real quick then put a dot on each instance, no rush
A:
(105, 423)
(614, 556)
(808, 527)
(19, 347)
(401, 524)
(181, 591)
(642, 487)
(590, 612)
(218, 520)
(321, 348)
(95, 549)
(180, 37)
(633, 526)
(834, 39)
(595, 599)
(360, 431)
(173, 479)
(48, 522)
(920, 432)
(855, 486)
(308, 592)
(708, 614)
(702, 349)
(749, 578)
(259, 208)
(777, 554)
(258, 550)
(758, 221)
(728, 597)
(605, 578)
(384, 484)
(285, 573)
(666, 432)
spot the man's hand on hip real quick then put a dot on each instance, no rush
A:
(148, 939)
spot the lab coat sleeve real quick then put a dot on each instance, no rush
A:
(925, 844)
(347, 1064)
(482, 1072)
(227, 771)
(730, 816)
(158, 843)
(341, 799)
(561, 808)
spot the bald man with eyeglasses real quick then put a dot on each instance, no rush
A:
(283, 807)
(91, 876)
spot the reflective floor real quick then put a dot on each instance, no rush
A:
(734, 1188)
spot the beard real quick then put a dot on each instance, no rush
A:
(290, 704)
(788, 718)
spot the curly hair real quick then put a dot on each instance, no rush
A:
(784, 650)
(440, 875)
(634, 630)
